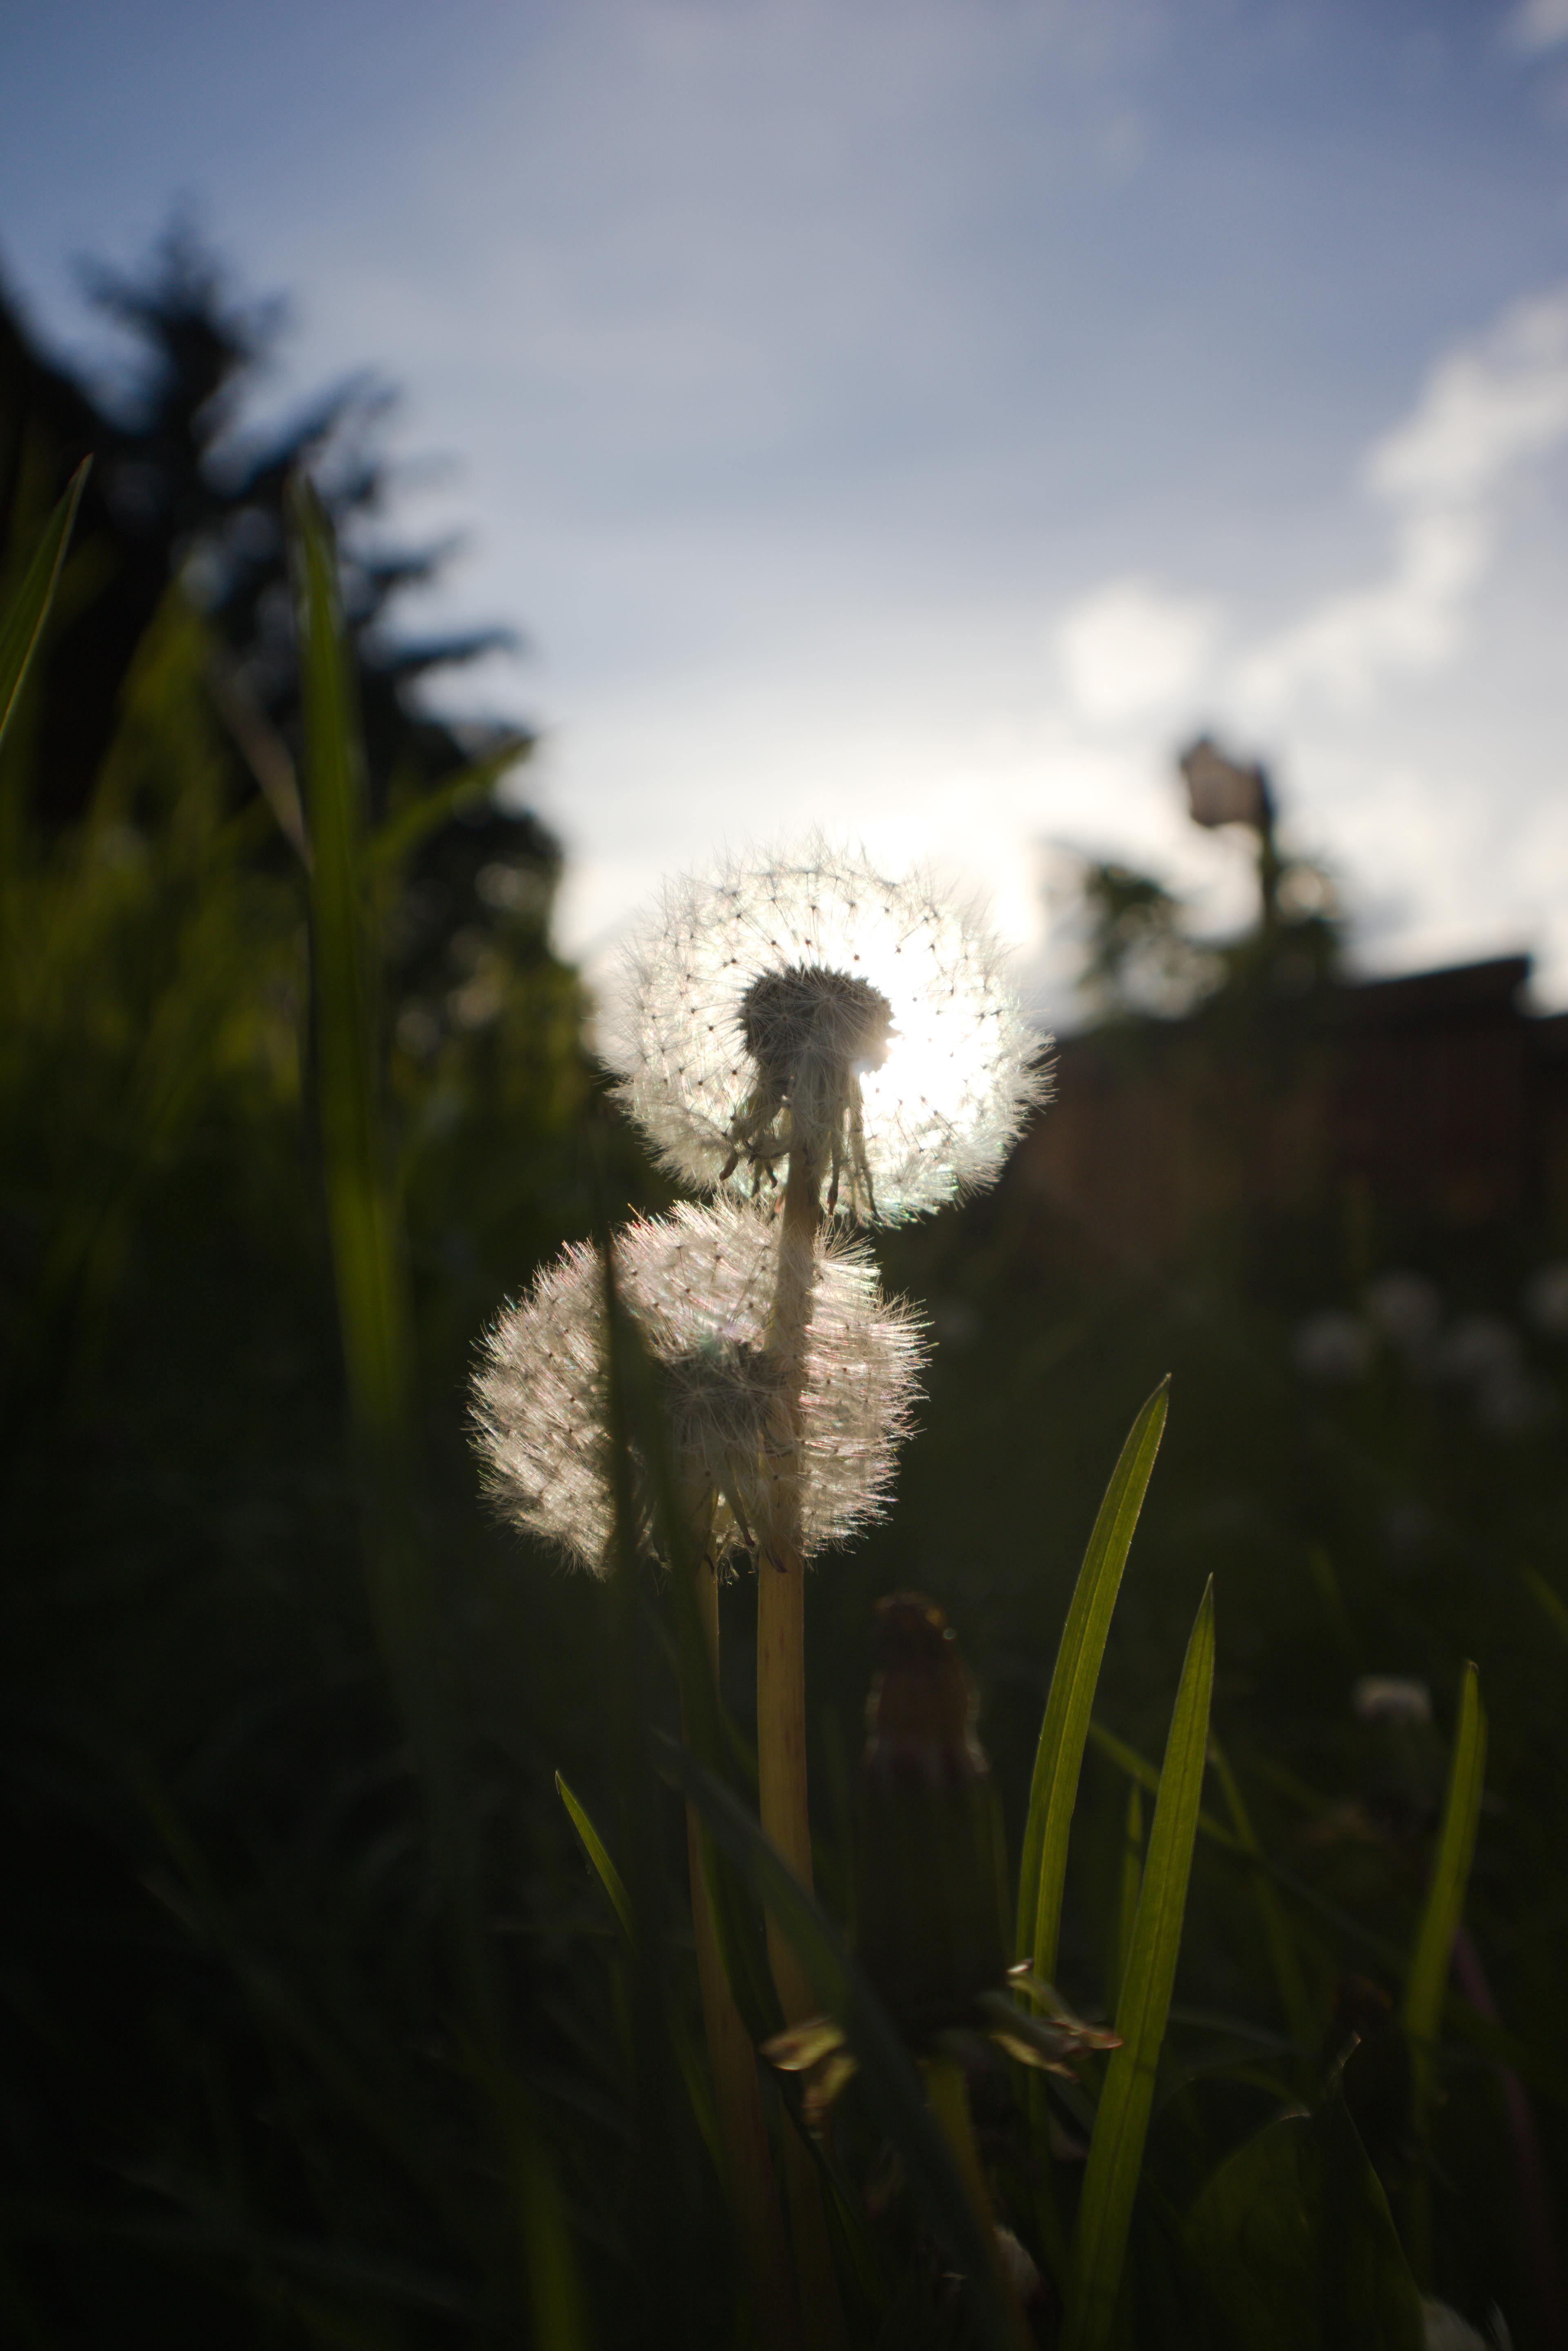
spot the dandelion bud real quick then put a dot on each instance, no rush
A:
(931, 1879)
(804, 1006)
(931, 1931)
(699, 1285)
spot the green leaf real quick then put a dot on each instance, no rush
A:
(614, 1885)
(1054, 1790)
(888, 2073)
(557, 2303)
(372, 1303)
(1121, 2124)
(1552, 1605)
(1294, 2242)
(1426, 1981)
(1130, 1877)
(604, 1869)
(1294, 1997)
(1427, 1978)
(22, 626)
(1139, 1770)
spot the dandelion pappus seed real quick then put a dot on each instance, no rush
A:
(725, 1120)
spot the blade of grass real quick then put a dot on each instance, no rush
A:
(376, 1322)
(398, 834)
(1139, 1770)
(22, 628)
(887, 2071)
(1294, 1997)
(1426, 1983)
(1428, 1973)
(1059, 1759)
(1131, 1880)
(1120, 2123)
(614, 1886)
(1535, 2066)
(372, 1298)
(1552, 1605)
(608, 1877)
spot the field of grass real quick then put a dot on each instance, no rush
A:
(321, 2027)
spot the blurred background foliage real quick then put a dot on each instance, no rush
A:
(240, 2092)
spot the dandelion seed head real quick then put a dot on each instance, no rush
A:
(806, 1001)
(700, 1284)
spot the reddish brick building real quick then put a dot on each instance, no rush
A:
(1437, 1102)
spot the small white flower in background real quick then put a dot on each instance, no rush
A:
(1485, 1355)
(1333, 1347)
(1478, 1347)
(802, 1002)
(1407, 1308)
(700, 1284)
(1386, 1698)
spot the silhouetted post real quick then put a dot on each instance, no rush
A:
(1222, 790)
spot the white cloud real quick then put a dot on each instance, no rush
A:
(1536, 26)
(1443, 474)
(1130, 648)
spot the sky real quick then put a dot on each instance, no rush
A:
(918, 417)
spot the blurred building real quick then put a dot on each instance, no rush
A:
(1434, 1107)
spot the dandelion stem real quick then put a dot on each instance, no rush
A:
(743, 2134)
(781, 1580)
(781, 1710)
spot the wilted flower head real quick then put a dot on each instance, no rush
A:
(700, 1285)
(802, 1003)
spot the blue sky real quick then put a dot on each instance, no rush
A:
(916, 416)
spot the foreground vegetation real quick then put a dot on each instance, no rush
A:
(322, 2026)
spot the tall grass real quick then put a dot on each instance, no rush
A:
(328, 2022)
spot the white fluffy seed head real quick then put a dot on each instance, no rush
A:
(700, 1284)
(803, 998)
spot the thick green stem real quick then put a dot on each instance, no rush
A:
(743, 2135)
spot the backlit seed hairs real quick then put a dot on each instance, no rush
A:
(700, 1284)
(803, 1000)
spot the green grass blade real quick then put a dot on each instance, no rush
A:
(1130, 1886)
(1427, 1978)
(614, 1885)
(887, 2072)
(367, 1261)
(1294, 2243)
(1294, 2000)
(1059, 1759)
(1552, 1605)
(1121, 2125)
(604, 1869)
(1139, 1769)
(22, 626)
(399, 834)
(557, 2302)
(1426, 1981)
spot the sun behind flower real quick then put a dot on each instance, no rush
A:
(804, 1003)
(700, 1283)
